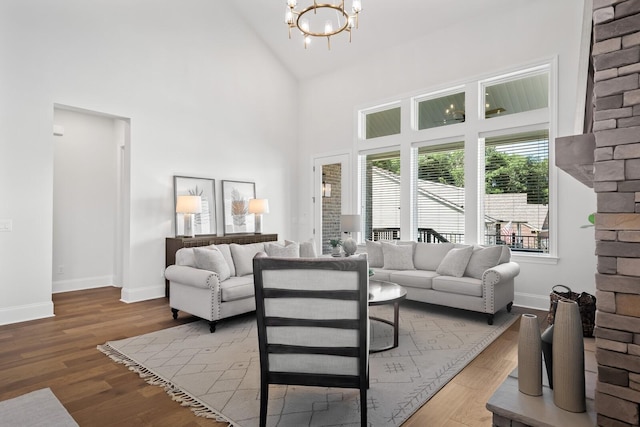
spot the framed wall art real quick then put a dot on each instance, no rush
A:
(235, 201)
(205, 221)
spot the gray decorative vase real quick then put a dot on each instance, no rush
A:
(529, 356)
(568, 358)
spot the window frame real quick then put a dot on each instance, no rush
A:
(472, 132)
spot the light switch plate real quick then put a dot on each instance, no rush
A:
(6, 225)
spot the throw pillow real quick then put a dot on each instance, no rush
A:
(397, 257)
(276, 250)
(506, 255)
(482, 259)
(226, 252)
(455, 262)
(211, 259)
(429, 255)
(374, 252)
(243, 257)
(307, 249)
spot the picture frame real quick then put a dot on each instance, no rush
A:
(235, 202)
(205, 223)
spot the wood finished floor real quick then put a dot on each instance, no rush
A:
(60, 353)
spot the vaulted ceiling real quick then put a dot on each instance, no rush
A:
(383, 24)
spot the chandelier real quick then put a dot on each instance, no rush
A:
(327, 19)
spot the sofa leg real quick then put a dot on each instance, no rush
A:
(212, 326)
(175, 313)
(490, 319)
(509, 307)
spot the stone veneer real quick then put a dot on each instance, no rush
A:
(616, 125)
(331, 206)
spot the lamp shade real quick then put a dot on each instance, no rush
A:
(189, 204)
(258, 206)
(349, 223)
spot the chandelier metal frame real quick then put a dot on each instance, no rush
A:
(294, 19)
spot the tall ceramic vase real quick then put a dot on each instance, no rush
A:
(529, 356)
(568, 358)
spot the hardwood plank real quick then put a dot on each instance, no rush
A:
(60, 353)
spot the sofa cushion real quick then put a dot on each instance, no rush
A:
(455, 262)
(482, 259)
(288, 250)
(184, 256)
(237, 288)
(380, 274)
(225, 249)
(374, 252)
(397, 257)
(307, 249)
(506, 254)
(243, 257)
(211, 259)
(458, 285)
(413, 278)
(428, 256)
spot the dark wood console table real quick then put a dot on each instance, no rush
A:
(172, 245)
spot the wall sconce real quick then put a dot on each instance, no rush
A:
(326, 188)
(188, 206)
(258, 207)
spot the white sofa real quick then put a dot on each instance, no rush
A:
(469, 277)
(215, 282)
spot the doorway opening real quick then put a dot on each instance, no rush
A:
(91, 181)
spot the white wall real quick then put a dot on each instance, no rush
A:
(491, 44)
(85, 183)
(205, 97)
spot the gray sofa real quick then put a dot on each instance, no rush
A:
(469, 277)
(215, 282)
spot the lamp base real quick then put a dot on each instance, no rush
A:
(350, 246)
(188, 225)
(258, 222)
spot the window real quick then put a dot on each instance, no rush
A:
(471, 178)
(381, 195)
(439, 193)
(516, 199)
(382, 123)
(517, 95)
(442, 111)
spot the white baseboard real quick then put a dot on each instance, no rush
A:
(23, 313)
(535, 301)
(80, 284)
(129, 295)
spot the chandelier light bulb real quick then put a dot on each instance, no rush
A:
(356, 6)
(328, 27)
(307, 41)
(304, 25)
(288, 17)
(292, 3)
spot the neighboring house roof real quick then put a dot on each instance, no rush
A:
(441, 206)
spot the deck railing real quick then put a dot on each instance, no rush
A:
(429, 235)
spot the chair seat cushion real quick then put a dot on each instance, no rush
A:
(236, 288)
(458, 285)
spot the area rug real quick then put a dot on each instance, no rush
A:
(38, 408)
(218, 374)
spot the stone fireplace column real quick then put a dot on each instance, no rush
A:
(616, 181)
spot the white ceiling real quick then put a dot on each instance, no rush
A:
(383, 24)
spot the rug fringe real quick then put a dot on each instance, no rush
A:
(180, 396)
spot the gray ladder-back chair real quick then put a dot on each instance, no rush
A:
(313, 324)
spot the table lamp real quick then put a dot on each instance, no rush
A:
(258, 207)
(349, 224)
(188, 206)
